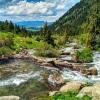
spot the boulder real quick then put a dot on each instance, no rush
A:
(85, 91)
(71, 86)
(52, 93)
(56, 79)
(92, 91)
(62, 64)
(92, 71)
(9, 98)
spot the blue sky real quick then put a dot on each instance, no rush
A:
(34, 10)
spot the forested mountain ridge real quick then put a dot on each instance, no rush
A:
(79, 17)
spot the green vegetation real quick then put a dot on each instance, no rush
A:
(84, 17)
(6, 42)
(84, 55)
(8, 26)
(26, 92)
(47, 35)
(5, 51)
(6, 39)
(10, 43)
(71, 95)
(48, 51)
(21, 43)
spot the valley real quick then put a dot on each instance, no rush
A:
(52, 61)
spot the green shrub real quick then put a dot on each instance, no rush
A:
(47, 51)
(6, 51)
(71, 95)
(6, 39)
(84, 55)
(26, 43)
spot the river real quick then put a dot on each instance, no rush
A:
(26, 70)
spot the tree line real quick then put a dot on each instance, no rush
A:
(9, 26)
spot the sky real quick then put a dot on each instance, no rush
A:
(34, 10)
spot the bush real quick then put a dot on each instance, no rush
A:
(84, 55)
(71, 95)
(47, 51)
(25, 43)
(6, 51)
(6, 39)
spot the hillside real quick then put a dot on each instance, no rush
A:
(79, 17)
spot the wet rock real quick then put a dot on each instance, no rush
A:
(9, 98)
(56, 79)
(61, 64)
(65, 53)
(71, 86)
(92, 71)
(78, 67)
(46, 64)
(52, 93)
(92, 91)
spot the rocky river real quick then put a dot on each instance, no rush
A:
(18, 72)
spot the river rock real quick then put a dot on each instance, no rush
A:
(65, 53)
(56, 79)
(92, 91)
(9, 98)
(92, 71)
(52, 93)
(71, 86)
(62, 64)
(47, 64)
(78, 67)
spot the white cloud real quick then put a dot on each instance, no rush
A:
(27, 8)
(22, 10)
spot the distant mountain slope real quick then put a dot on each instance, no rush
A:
(77, 17)
(32, 24)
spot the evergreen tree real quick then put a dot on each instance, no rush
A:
(48, 35)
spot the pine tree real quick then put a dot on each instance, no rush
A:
(48, 35)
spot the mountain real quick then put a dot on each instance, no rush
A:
(79, 18)
(35, 25)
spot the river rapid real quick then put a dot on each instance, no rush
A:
(21, 71)
(35, 72)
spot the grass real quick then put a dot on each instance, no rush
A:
(26, 43)
(70, 95)
(48, 51)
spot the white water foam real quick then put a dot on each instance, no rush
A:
(77, 76)
(18, 79)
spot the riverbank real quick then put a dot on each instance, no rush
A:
(52, 72)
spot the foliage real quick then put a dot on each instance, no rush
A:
(6, 39)
(47, 35)
(47, 51)
(71, 95)
(8, 26)
(83, 39)
(26, 43)
(84, 17)
(6, 42)
(84, 55)
(5, 51)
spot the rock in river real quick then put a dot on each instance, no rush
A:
(9, 98)
(71, 86)
(92, 91)
(92, 71)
